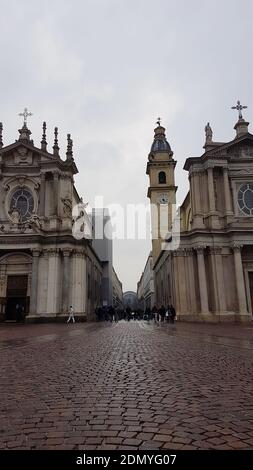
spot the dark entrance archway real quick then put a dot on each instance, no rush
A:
(16, 295)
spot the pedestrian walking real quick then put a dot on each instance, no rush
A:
(162, 312)
(128, 313)
(71, 315)
(172, 314)
(154, 313)
(167, 314)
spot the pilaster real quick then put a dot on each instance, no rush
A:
(66, 279)
(34, 281)
(202, 280)
(53, 291)
(240, 284)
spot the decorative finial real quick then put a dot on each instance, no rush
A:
(25, 115)
(1, 134)
(209, 133)
(158, 122)
(239, 108)
(69, 153)
(44, 137)
(56, 146)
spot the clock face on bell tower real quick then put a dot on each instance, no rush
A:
(163, 199)
(162, 189)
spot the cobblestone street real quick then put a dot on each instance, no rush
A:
(126, 386)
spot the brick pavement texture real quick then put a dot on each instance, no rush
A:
(128, 385)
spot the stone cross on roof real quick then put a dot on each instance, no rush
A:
(239, 108)
(25, 114)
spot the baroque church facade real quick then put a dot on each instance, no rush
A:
(209, 277)
(43, 267)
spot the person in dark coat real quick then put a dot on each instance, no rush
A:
(128, 313)
(154, 312)
(168, 314)
(173, 314)
(162, 312)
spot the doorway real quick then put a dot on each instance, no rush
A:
(16, 294)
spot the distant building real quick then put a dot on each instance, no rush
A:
(130, 300)
(117, 290)
(145, 286)
(111, 287)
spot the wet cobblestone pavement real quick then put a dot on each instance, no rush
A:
(126, 386)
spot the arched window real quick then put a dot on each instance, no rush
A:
(162, 177)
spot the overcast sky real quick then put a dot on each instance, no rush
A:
(104, 70)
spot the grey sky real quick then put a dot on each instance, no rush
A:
(105, 69)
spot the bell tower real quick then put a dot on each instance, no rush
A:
(162, 189)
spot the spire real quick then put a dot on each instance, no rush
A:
(1, 135)
(44, 137)
(56, 146)
(69, 153)
(160, 143)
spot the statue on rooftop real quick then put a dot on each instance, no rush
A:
(209, 133)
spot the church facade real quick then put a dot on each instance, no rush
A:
(43, 267)
(209, 277)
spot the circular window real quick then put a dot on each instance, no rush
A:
(245, 198)
(22, 201)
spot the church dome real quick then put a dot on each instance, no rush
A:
(160, 143)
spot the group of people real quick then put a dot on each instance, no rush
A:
(162, 314)
(114, 314)
(108, 313)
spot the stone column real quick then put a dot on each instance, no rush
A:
(78, 294)
(211, 189)
(218, 279)
(34, 284)
(53, 281)
(240, 285)
(56, 193)
(227, 192)
(191, 181)
(197, 213)
(202, 280)
(66, 279)
(181, 258)
(42, 194)
(176, 282)
(191, 279)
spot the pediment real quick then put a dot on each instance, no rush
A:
(240, 148)
(22, 154)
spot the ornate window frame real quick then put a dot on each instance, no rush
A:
(16, 183)
(243, 187)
